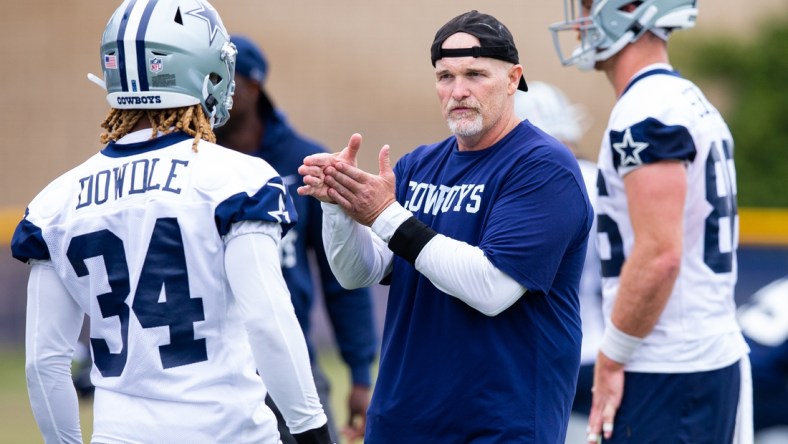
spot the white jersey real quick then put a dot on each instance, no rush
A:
(135, 235)
(590, 293)
(661, 116)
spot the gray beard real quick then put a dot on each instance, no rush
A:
(464, 127)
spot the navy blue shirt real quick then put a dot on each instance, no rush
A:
(449, 373)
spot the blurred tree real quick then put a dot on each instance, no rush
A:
(753, 75)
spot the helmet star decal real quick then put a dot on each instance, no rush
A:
(629, 150)
(207, 13)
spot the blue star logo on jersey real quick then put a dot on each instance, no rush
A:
(629, 150)
(282, 212)
(207, 13)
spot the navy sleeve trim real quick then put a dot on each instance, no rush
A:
(28, 242)
(651, 141)
(271, 203)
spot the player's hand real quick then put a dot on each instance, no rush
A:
(607, 393)
(358, 401)
(362, 195)
(314, 178)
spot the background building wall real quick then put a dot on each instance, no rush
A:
(337, 67)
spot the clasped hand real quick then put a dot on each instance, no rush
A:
(334, 178)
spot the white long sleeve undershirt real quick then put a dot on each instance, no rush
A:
(53, 323)
(278, 345)
(359, 256)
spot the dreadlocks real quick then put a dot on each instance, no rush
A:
(189, 119)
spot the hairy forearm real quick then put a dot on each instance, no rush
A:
(650, 271)
(646, 283)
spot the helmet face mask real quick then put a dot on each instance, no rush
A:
(607, 26)
(168, 54)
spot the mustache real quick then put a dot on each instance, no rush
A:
(470, 104)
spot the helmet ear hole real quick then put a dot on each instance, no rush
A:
(210, 102)
(214, 78)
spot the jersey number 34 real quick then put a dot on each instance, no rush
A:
(164, 266)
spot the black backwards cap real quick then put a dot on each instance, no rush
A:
(495, 39)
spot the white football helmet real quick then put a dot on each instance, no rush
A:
(548, 108)
(168, 54)
(606, 27)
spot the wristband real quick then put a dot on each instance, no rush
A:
(618, 345)
(410, 238)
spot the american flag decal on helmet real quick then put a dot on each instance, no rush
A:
(110, 61)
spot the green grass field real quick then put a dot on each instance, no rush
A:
(17, 425)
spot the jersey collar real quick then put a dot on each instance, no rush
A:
(655, 69)
(116, 149)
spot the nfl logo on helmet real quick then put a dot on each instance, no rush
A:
(156, 64)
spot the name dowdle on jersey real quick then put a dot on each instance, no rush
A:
(137, 177)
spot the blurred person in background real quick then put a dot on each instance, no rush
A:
(548, 108)
(673, 364)
(764, 322)
(259, 129)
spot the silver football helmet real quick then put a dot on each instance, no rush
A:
(605, 27)
(168, 54)
(550, 110)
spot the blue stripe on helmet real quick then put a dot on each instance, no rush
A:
(142, 65)
(121, 50)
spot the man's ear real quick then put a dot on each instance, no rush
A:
(515, 72)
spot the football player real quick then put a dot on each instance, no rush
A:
(169, 243)
(673, 364)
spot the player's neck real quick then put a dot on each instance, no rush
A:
(141, 124)
(636, 56)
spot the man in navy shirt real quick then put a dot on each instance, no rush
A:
(259, 129)
(482, 237)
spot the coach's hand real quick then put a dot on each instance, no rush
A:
(607, 393)
(313, 169)
(362, 195)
